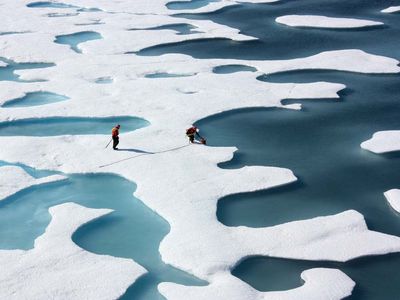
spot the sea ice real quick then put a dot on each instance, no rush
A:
(14, 179)
(383, 141)
(324, 22)
(391, 9)
(179, 181)
(57, 268)
(317, 286)
(393, 197)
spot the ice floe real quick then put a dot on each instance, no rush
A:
(179, 181)
(69, 79)
(317, 285)
(393, 197)
(324, 22)
(383, 141)
(58, 268)
(14, 179)
(391, 9)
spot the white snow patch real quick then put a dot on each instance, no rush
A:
(391, 9)
(393, 197)
(58, 269)
(351, 60)
(3, 64)
(14, 179)
(317, 285)
(324, 22)
(383, 142)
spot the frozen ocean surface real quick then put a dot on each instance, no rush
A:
(131, 231)
(320, 143)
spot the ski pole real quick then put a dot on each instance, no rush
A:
(109, 143)
(199, 135)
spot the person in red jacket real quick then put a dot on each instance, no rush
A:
(191, 132)
(115, 136)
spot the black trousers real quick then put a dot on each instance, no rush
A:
(115, 141)
(191, 137)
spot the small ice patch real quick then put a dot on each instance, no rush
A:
(391, 9)
(393, 197)
(383, 142)
(324, 22)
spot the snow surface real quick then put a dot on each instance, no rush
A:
(324, 22)
(229, 287)
(383, 142)
(179, 181)
(391, 9)
(58, 269)
(393, 197)
(13, 179)
(3, 64)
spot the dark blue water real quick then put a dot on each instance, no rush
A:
(7, 72)
(321, 143)
(131, 231)
(69, 125)
(272, 274)
(277, 41)
(48, 4)
(73, 40)
(35, 99)
(228, 69)
(307, 142)
(193, 4)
